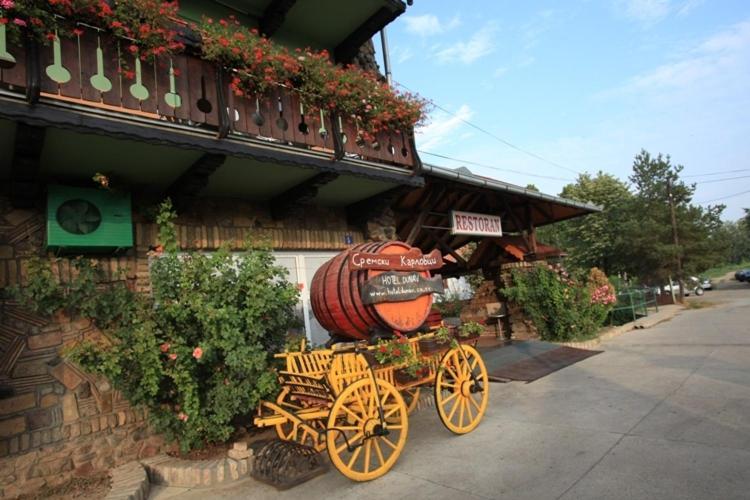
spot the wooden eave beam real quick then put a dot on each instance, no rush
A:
(358, 212)
(301, 194)
(348, 49)
(274, 16)
(195, 178)
(27, 154)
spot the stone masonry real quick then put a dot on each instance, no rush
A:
(57, 422)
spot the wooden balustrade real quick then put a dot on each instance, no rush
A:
(96, 70)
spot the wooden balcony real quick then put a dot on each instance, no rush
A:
(95, 72)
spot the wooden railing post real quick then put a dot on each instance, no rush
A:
(33, 71)
(338, 141)
(221, 103)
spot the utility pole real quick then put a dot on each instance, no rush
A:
(676, 240)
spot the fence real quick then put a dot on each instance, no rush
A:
(633, 304)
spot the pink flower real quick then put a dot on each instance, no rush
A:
(197, 353)
(7, 4)
(182, 416)
(19, 22)
(173, 356)
(165, 347)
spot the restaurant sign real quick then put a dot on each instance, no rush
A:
(395, 286)
(475, 224)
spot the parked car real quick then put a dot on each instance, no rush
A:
(691, 285)
(742, 275)
(705, 283)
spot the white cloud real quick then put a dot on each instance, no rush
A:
(429, 25)
(479, 45)
(706, 68)
(500, 72)
(442, 128)
(647, 11)
(401, 54)
(650, 12)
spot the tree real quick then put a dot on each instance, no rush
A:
(633, 233)
(592, 241)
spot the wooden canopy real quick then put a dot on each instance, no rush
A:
(423, 217)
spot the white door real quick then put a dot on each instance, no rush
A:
(302, 267)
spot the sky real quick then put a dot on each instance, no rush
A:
(581, 86)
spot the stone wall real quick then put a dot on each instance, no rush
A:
(56, 421)
(476, 309)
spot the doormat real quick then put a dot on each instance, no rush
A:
(530, 369)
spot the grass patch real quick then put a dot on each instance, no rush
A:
(719, 271)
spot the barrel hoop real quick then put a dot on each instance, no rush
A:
(356, 278)
(362, 326)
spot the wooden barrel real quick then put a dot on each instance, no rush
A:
(335, 296)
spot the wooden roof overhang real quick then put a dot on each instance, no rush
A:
(45, 144)
(423, 215)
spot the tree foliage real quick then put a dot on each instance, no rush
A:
(197, 351)
(633, 232)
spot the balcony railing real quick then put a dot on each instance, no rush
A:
(94, 70)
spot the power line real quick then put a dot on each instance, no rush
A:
(723, 180)
(718, 173)
(492, 167)
(494, 136)
(723, 197)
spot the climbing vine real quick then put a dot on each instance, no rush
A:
(196, 351)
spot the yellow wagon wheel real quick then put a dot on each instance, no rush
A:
(359, 446)
(291, 431)
(411, 398)
(460, 398)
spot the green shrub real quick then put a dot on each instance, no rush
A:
(562, 308)
(197, 351)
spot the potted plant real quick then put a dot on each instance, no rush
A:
(440, 341)
(414, 370)
(397, 352)
(450, 308)
(469, 331)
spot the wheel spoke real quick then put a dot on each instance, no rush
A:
(351, 440)
(348, 427)
(474, 363)
(450, 370)
(453, 410)
(378, 451)
(474, 402)
(362, 406)
(449, 398)
(462, 404)
(350, 412)
(354, 457)
(368, 450)
(468, 409)
(388, 442)
(394, 427)
(390, 412)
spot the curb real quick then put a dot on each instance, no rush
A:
(616, 331)
(168, 471)
(129, 482)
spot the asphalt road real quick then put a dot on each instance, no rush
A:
(663, 413)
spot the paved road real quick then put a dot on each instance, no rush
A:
(663, 413)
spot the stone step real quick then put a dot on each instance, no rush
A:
(169, 471)
(129, 482)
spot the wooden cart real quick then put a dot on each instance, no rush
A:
(337, 400)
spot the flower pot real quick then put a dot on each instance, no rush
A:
(403, 377)
(372, 360)
(429, 347)
(466, 340)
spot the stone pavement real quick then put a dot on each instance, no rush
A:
(664, 412)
